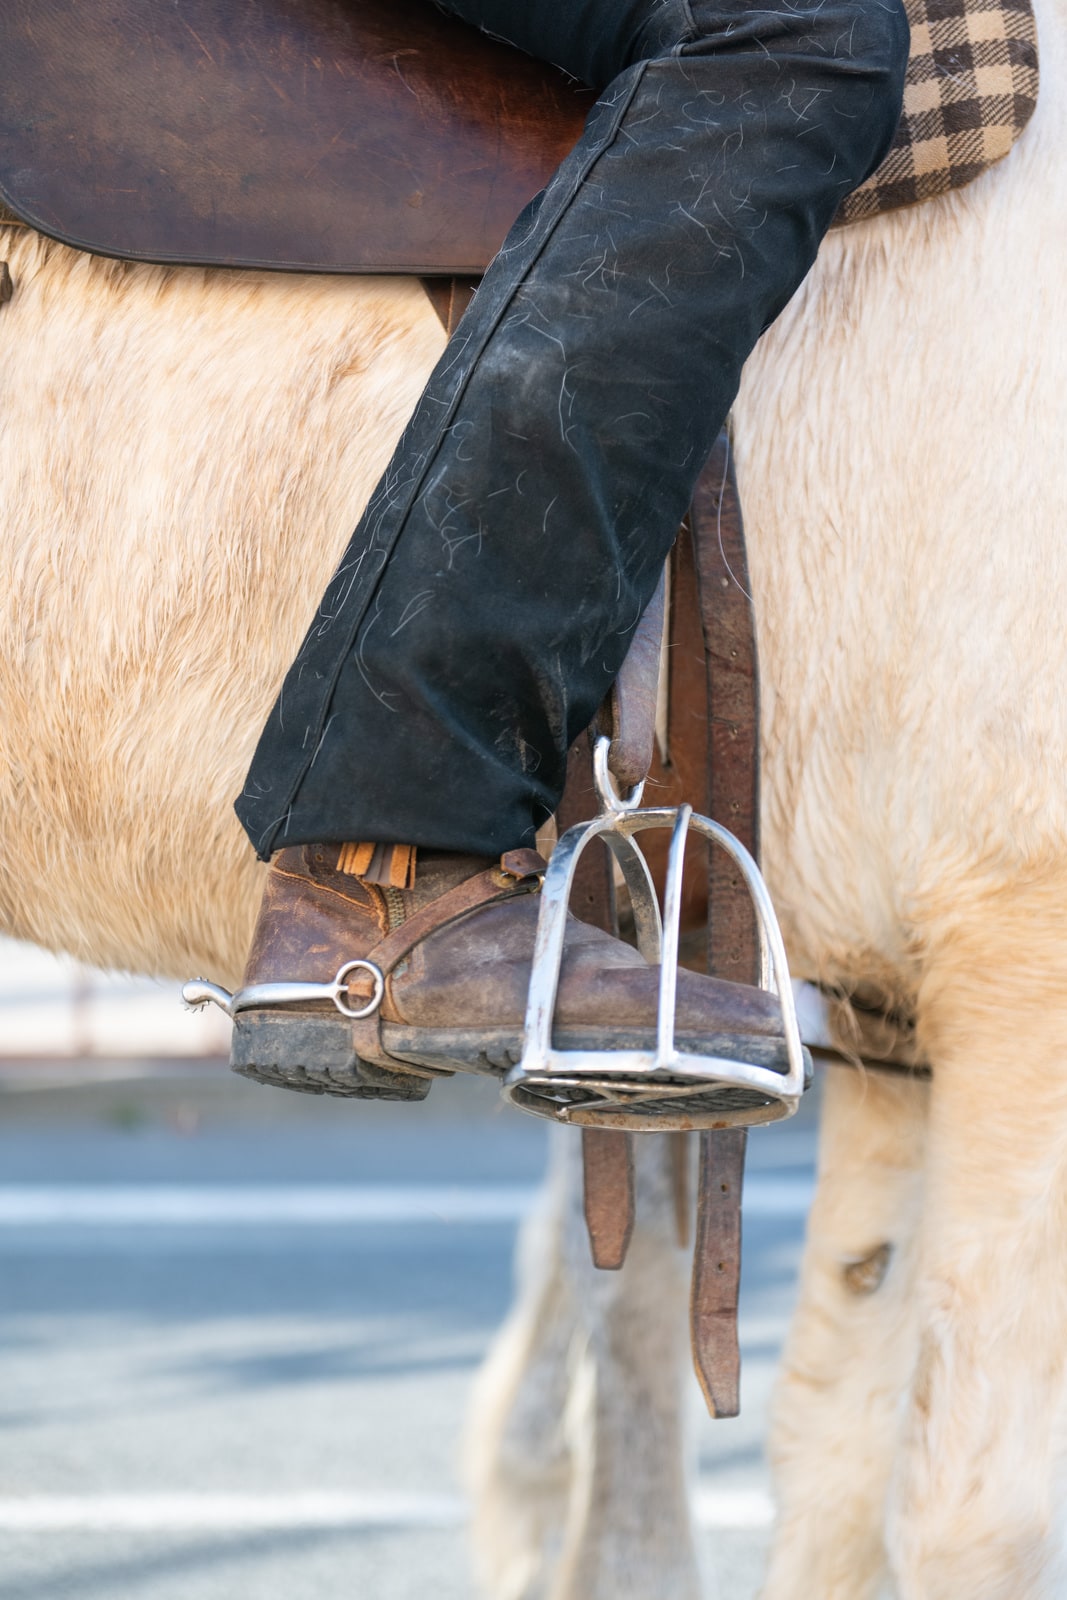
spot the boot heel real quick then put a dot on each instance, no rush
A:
(277, 1049)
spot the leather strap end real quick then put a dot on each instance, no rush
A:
(354, 859)
(521, 864)
(402, 867)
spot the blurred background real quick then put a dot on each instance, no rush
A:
(238, 1326)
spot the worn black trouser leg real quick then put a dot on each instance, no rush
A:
(488, 595)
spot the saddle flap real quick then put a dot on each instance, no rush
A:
(312, 135)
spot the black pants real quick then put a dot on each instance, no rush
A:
(486, 600)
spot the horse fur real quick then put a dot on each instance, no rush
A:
(182, 456)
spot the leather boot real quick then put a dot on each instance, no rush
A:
(454, 955)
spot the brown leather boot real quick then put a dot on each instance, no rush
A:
(454, 953)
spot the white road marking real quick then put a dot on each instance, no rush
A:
(300, 1205)
(732, 1509)
(254, 1205)
(719, 1509)
(778, 1197)
(152, 1513)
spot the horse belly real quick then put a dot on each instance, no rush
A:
(182, 459)
(900, 445)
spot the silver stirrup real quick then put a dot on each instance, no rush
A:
(641, 1090)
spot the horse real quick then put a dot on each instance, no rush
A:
(182, 455)
(898, 446)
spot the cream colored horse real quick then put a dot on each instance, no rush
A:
(900, 435)
(181, 458)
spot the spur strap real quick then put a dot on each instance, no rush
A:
(518, 872)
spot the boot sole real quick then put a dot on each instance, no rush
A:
(313, 1054)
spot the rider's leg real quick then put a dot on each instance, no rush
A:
(487, 598)
(488, 595)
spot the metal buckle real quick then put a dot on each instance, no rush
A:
(633, 1089)
(199, 992)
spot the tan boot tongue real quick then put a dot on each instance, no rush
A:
(390, 866)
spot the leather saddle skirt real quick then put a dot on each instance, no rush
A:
(378, 135)
(309, 135)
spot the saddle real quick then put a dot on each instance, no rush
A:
(301, 135)
(378, 135)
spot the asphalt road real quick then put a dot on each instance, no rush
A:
(196, 1404)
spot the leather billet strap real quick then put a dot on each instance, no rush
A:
(519, 872)
(732, 670)
(610, 1203)
(450, 298)
(628, 716)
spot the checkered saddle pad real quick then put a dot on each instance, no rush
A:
(970, 91)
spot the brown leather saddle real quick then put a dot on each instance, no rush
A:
(378, 135)
(301, 135)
